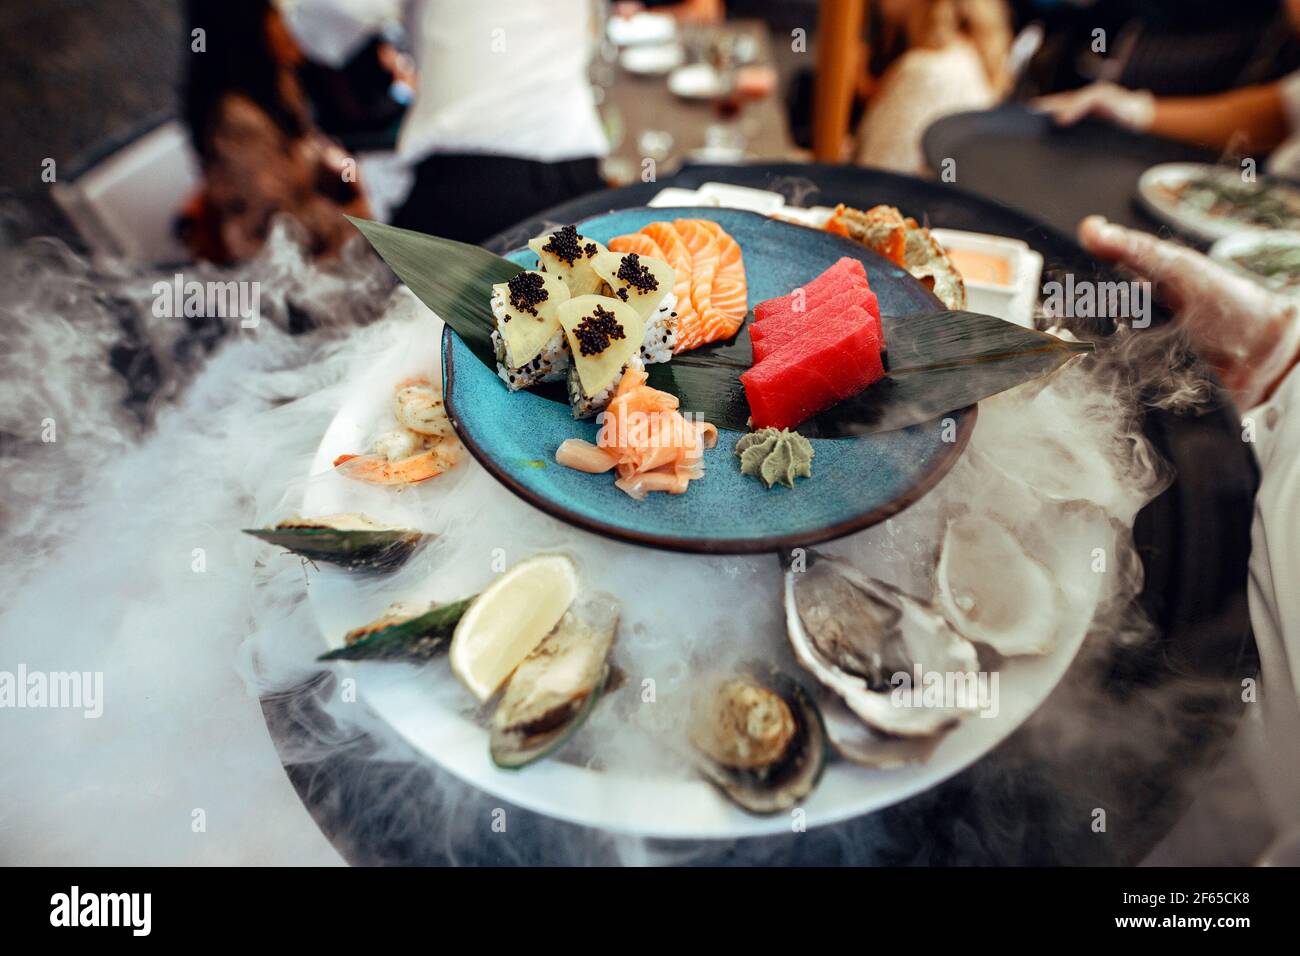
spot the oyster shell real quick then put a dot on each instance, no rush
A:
(353, 541)
(857, 743)
(402, 632)
(866, 641)
(553, 690)
(760, 740)
(1015, 610)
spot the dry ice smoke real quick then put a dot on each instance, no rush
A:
(122, 555)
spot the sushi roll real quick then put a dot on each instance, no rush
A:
(660, 333)
(605, 336)
(588, 406)
(529, 343)
(646, 284)
(569, 256)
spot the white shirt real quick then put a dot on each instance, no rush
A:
(1274, 594)
(920, 88)
(504, 77)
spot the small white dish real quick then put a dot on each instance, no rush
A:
(715, 154)
(1013, 295)
(814, 217)
(652, 59)
(698, 81)
(641, 28)
(674, 196)
(762, 201)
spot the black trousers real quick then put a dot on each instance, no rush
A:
(473, 197)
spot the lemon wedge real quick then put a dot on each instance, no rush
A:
(509, 619)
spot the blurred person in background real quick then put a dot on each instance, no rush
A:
(1262, 117)
(503, 124)
(1251, 335)
(685, 11)
(953, 57)
(258, 151)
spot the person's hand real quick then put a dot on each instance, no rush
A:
(1248, 333)
(400, 66)
(1131, 109)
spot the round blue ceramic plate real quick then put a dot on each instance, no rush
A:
(856, 482)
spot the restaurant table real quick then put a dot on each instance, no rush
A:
(1160, 711)
(633, 105)
(1058, 174)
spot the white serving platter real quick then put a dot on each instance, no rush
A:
(436, 716)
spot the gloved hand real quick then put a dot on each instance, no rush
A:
(1249, 334)
(1131, 109)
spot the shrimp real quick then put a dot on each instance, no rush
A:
(379, 470)
(423, 446)
(418, 406)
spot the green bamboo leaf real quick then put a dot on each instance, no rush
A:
(939, 362)
(452, 278)
(936, 363)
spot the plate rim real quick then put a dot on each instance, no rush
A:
(764, 544)
(1193, 223)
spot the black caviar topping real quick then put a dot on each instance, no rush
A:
(622, 294)
(589, 249)
(527, 292)
(563, 244)
(638, 276)
(595, 332)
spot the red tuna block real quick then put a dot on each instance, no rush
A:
(812, 373)
(844, 275)
(772, 334)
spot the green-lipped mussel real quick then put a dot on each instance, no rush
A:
(403, 632)
(352, 541)
(554, 690)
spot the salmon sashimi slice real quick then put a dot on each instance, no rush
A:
(709, 324)
(675, 253)
(648, 443)
(731, 298)
(639, 243)
(709, 285)
(705, 256)
(730, 290)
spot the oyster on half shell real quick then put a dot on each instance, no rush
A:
(553, 690)
(994, 591)
(759, 739)
(858, 743)
(857, 636)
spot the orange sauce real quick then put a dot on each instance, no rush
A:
(981, 266)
